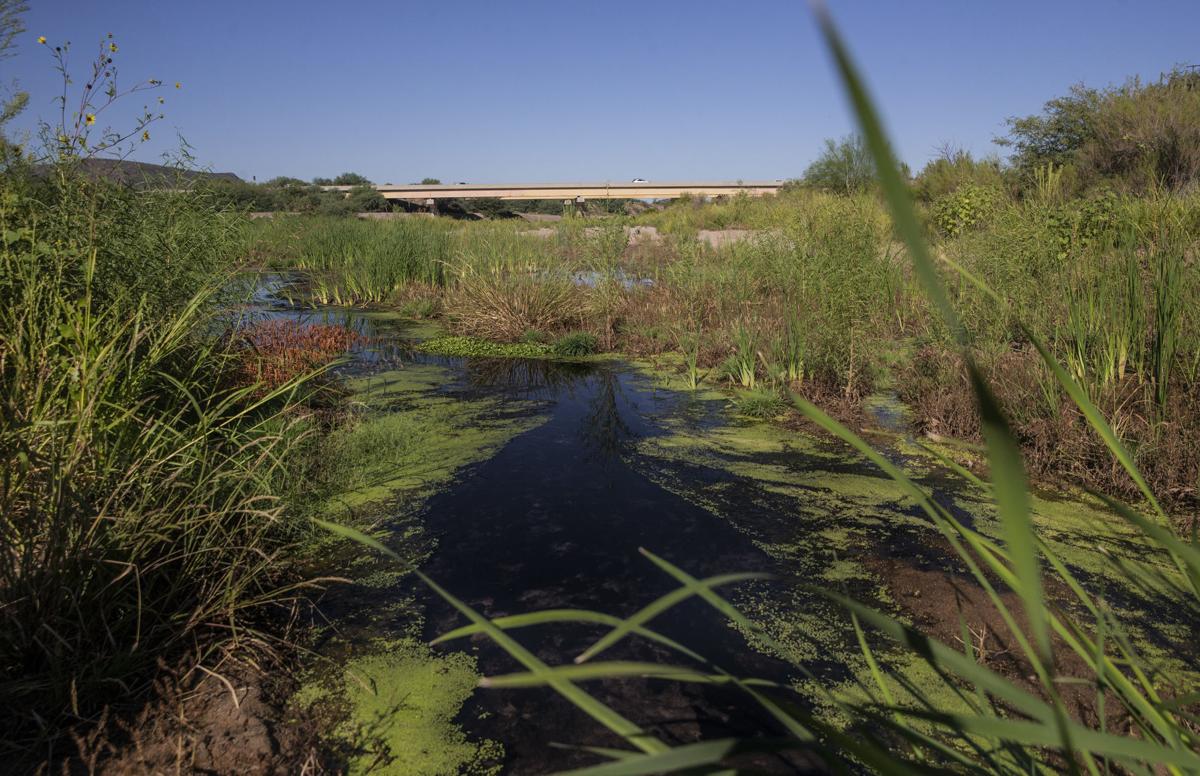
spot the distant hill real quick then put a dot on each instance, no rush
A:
(143, 175)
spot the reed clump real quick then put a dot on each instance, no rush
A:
(144, 511)
(502, 305)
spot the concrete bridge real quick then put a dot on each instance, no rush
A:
(570, 192)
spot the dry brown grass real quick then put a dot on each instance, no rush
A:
(504, 305)
(1058, 444)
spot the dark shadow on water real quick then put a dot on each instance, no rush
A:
(555, 520)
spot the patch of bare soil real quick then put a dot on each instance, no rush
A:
(939, 602)
(233, 722)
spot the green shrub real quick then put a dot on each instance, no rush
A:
(967, 207)
(761, 404)
(1139, 136)
(143, 513)
(955, 168)
(845, 166)
(577, 343)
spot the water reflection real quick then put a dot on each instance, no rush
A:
(530, 376)
(605, 429)
(603, 410)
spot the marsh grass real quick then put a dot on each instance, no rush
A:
(353, 261)
(143, 512)
(742, 365)
(691, 345)
(787, 353)
(575, 344)
(761, 403)
(503, 304)
(994, 724)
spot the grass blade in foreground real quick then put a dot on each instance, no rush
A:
(1011, 728)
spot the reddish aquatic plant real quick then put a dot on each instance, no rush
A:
(274, 352)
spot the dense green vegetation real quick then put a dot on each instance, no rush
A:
(292, 195)
(961, 715)
(819, 298)
(1139, 136)
(153, 446)
(163, 459)
(147, 486)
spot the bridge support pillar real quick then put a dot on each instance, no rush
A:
(579, 206)
(431, 206)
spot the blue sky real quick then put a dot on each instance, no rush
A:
(570, 90)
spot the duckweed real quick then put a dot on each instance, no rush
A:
(473, 346)
(400, 703)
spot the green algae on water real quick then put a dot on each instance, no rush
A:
(399, 704)
(410, 439)
(381, 390)
(473, 346)
(831, 511)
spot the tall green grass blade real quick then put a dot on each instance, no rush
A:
(1125, 749)
(1010, 488)
(568, 615)
(356, 535)
(895, 189)
(694, 587)
(937, 654)
(584, 702)
(694, 758)
(614, 670)
(706, 592)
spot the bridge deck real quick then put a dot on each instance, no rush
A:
(572, 191)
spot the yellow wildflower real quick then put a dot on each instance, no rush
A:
(145, 135)
(42, 39)
(177, 84)
(91, 119)
(112, 47)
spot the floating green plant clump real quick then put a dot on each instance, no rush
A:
(472, 346)
(576, 345)
(400, 705)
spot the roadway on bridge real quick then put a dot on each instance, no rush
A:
(573, 191)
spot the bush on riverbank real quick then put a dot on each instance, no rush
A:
(143, 515)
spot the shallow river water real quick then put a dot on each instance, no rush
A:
(584, 464)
